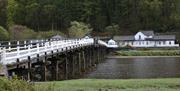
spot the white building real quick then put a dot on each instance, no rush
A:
(112, 44)
(146, 39)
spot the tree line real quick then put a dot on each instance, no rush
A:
(128, 15)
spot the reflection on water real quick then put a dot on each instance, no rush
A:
(125, 68)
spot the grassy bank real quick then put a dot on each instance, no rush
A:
(112, 85)
(15, 85)
(170, 84)
(148, 53)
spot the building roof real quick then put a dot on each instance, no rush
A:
(148, 33)
(111, 41)
(57, 37)
(121, 38)
(164, 37)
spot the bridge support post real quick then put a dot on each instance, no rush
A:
(73, 65)
(94, 55)
(66, 67)
(79, 63)
(84, 61)
(87, 57)
(77, 66)
(57, 70)
(29, 69)
(98, 55)
(90, 57)
(101, 53)
(44, 67)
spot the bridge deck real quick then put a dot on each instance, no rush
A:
(12, 53)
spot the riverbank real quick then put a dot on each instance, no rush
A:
(114, 56)
(152, 53)
(112, 85)
(166, 84)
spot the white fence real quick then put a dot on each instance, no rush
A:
(10, 54)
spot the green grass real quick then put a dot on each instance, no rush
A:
(14, 85)
(148, 53)
(111, 85)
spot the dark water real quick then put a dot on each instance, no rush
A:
(125, 68)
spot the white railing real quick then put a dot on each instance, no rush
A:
(10, 54)
(102, 43)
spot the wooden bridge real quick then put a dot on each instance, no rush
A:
(54, 59)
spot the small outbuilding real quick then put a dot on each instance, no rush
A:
(86, 37)
(58, 37)
(112, 44)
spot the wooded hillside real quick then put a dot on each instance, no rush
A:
(129, 15)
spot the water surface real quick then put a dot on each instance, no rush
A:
(126, 68)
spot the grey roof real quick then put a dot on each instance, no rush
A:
(148, 33)
(165, 37)
(121, 38)
(57, 37)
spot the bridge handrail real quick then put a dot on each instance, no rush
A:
(12, 54)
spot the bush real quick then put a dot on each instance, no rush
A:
(19, 32)
(149, 53)
(79, 29)
(113, 29)
(4, 35)
(14, 85)
(49, 34)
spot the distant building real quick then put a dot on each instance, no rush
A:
(112, 44)
(146, 39)
(58, 37)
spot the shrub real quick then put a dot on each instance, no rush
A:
(79, 29)
(14, 85)
(19, 32)
(49, 34)
(149, 53)
(4, 35)
(113, 29)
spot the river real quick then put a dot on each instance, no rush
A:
(130, 68)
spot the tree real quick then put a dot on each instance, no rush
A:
(4, 35)
(113, 29)
(3, 17)
(130, 15)
(19, 32)
(79, 29)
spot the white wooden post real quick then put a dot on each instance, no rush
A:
(30, 44)
(57, 42)
(9, 48)
(51, 44)
(37, 46)
(42, 42)
(25, 45)
(3, 55)
(18, 48)
(29, 49)
(45, 45)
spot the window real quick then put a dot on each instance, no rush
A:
(123, 43)
(164, 42)
(147, 43)
(139, 37)
(170, 42)
(159, 42)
